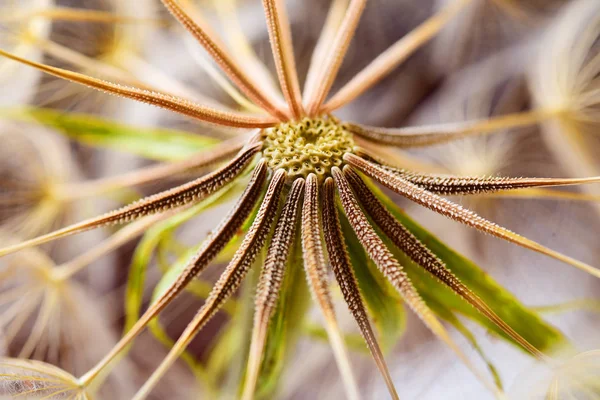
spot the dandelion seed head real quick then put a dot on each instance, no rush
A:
(34, 167)
(567, 73)
(573, 377)
(311, 145)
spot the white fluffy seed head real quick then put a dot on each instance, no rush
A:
(566, 75)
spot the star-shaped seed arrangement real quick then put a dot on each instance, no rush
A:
(308, 170)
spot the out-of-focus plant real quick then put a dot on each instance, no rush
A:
(308, 197)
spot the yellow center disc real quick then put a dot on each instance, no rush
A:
(310, 145)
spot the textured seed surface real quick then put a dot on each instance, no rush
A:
(311, 145)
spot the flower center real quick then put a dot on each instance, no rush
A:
(309, 145)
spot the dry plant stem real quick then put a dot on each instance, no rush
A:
(124, 235)
(464, 185)
(229, 281)
(74, 14)
(393, 157)
(270, 283)
(316, 273)
(454, 211)
(280, 36)
(221, 80)
(387, 61)
(154, 79)
(333, 62)
(393, 271)
(166, 101)
(332, 23)
(208, 251)
(541, 194)
(203, 159)
(342, 268)
(89, 64)
(227, 64)
(418, 136)
(241, 48)
(177, 197)
(422, 256)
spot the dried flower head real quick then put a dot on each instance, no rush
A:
(34, 170)
(312, 200)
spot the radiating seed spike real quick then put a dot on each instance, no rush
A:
(393, 271)
(451, 185)
(209, 249)
(316, 273)
(227, 64)
(334, 18)
(240, 47)
(338, 50)
(229, 281)
(421, 255)
(419, 136)
(270, 283)
(392, 57)
(280, 37)
(342, 268)
(455, 211)
(162, 100)
(179, 196)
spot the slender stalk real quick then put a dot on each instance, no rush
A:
(241, 48)
(543, 194)
(280, 36)
(150, 74)
(177, 197)
(89, 64)
(386, 62)
(456, 212)
(316, 272)
(393, 157)
(228, 282)
(418, 136)
(270, 283)
(221, 80)
(77, 15)
(166, 101)
(332, 23)
(154, 173)
(333, 62)
(216, 50)
(207, 252)
(67, 270)
(344, 274)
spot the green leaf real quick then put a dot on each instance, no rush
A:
(383, 301)
(153, 143)
(522, 319)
